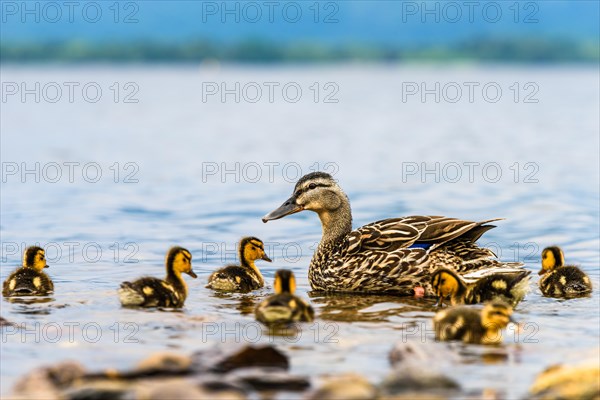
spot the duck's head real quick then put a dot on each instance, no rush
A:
(285, 281)
(179, 260)
(35, 257)
(252, 249)
(552, 257)
(317, 192)
(446, 282)
(496, 316)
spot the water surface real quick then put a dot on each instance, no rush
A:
(187, 175)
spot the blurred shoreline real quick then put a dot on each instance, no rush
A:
(517, 50)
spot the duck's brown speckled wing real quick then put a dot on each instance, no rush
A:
(396, 233)
(378, 258)
(373, 271)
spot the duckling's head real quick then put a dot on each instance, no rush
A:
(446, 282)
(317, 192)
(179, 260)
(496, 315)
(35, 257)
(285, 282)
(252, 249)
(552, 257)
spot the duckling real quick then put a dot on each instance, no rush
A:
(154, 292)
(508, 287)
(284, 306)
(472, 325)
(559, 280)
(29, 280)
(244, 277)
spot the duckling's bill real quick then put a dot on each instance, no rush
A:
(192, 274)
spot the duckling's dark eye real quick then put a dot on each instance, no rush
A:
(442, 281)
(312, 186)
(297, 193)
(253, 247)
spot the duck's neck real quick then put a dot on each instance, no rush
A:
(252, 267)
(175, 279)
(336, 223)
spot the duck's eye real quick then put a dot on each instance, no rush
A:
(297, 193)
(312, 186)
(253, 247)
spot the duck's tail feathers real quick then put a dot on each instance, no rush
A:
(513, 269)
(521, 286)
(274, 314)
(23, 291)
(474, 234)
(577, 289)
(129, 296)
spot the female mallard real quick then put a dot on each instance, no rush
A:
(246, 276)
(394, 255)
(29, 279)
(510, 288)
(284, 306)
(559, 280)
(154, 292)
(472, 325)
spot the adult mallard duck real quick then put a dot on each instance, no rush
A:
(395, 255)
(284, 306)
(154, 292)
(559, 280)
(29, 279)
(510, 288)
(246, 276)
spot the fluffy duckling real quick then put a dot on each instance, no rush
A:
(472, 325)
(246, 276)
(510, 288)
(559, 280)
(30, 279)
(284, 306)
(154, 292)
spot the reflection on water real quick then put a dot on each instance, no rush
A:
(344, 307)
(369, 136)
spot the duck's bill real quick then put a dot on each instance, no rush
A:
(265, 257)
(287, 208)
(46, 266)
(192, 274)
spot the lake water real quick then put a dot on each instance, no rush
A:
(125, 162)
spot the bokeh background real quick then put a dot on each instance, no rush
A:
(130, 126)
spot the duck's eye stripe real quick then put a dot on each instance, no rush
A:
(310, 187)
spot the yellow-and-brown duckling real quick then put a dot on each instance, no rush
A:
(510, 288)
(29, 279)
(284, 307)
(396, 255)
(246, 276)
(559, 280)
(478, 326)
(154, 292)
